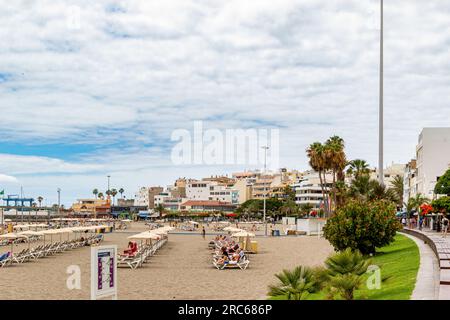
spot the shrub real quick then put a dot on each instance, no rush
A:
(346, 271)
(362, 225)
(443, 184)
(441, 204)
(296, 284)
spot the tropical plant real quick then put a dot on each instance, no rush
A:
(100, 195)
(346, 271)
(415, 203)
(443, 184)
(362, 225)
(160, 209)
(305, 208)
(442, 204)
(40, 199)
(289, 207)
(121, 191)
(397, 187)
(364, 188)
(113, 194)
(358, 168)
(317, 161)
(288, 193)
(296, 284)
(336, 161)
(95, 192)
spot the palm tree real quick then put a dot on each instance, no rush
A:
(416, 202)
(346, 271)
(316, 155)
(114, 193)
(296, 284)
(121, 191)
(95, 192)
(336, 161)
(397, 187)
(160, 209)
(39, 199)
(289, 207)
(358, 168)
(100, 195)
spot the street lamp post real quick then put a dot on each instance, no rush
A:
(381, 111)
(265, 191)
(59, 205)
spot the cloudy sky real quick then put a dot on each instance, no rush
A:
(91, 88)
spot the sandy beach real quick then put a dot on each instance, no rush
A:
(182, 269)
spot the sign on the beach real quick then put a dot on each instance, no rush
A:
(103, 272)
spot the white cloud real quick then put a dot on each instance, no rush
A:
(7, 179)
(136, 70)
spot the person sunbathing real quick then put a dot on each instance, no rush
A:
(132, 248)
(224, 260)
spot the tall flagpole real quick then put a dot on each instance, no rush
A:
(381, 115)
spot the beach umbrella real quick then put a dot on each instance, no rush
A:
(145, 235)
(30, 233)
(12, 236)
(247, 235)
(233, 229)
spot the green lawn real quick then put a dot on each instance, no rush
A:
(399, 263)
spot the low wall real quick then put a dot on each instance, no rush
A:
(423, 237)
(441, 248)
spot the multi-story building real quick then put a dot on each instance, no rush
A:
(211, 191)
(390, 173)
(410, 181)
(146, 195)
(266, 185)
(141, 197)
(207, 206)
(308, 189)
(244, 189)
(433, 158)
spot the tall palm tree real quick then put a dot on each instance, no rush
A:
(336, 161)
(317, 161)
(39, 199)
(101, 195)
(95, 192)
(121, 191)
(113, 194)
(296, 284)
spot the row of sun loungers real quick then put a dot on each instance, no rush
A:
(46, 250)
(138, 258)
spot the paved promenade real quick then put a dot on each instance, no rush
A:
(441, 248)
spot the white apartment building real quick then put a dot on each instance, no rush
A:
(141, 197)
(433, 158)
(211, 190)
(159, 198)
(308, 190)
(390, 172)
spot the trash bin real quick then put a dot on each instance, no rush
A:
(276, 233)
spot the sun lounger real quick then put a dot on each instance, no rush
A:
(5, 259)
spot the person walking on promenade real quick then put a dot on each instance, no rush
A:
(444, 226)
(203, 233)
